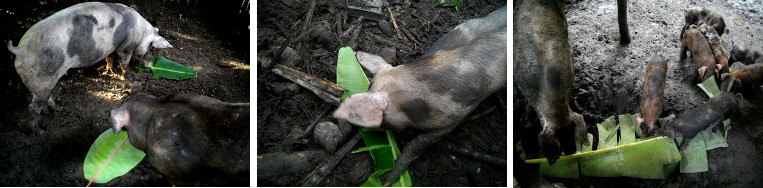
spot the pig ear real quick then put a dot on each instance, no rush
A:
(160, 42)
(373, 63)
(364, 109)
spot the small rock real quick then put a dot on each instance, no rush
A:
(289, 57)
(329, 135)
(284, 88)
(385, 27)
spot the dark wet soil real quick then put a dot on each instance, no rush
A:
(608, 79)
(209, 37)
(280, 113)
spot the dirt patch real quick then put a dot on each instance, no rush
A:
(280, 113)
(211, 38)
(608, 79)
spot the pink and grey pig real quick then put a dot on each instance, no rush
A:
(436, 91)
(188, 137)
(78, 37)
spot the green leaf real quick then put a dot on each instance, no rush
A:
(350, 76)
(694, 157)
(458, 6)
(370, 148)
(126, 157)
(714, 139)
(710, 86)
(638, 160)
(731, 83)
(164, 68)
(627, 129)
(607, 130)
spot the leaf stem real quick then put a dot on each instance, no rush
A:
(107, 162)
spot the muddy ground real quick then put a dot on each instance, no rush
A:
(282, 110)
(211, 38)
(608, 79)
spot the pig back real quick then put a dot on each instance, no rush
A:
(185, 141)
(543, 67)
(439, 89)
(471, 29)
(84, 34)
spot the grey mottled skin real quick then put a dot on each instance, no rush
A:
(709, 114)
(436, 91)
(543, 73)
(77, 37)
(187, 137)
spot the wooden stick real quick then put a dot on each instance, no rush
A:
(326, 90)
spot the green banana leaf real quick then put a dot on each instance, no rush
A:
(637, 159)
(695, 156)
(164, 68)
(626, 157)
(381, 143)
(710, 86)
(125, 157)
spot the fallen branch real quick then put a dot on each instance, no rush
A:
(358, 12)
(326, 90)
(352, 26)
(473, 154)
(394, 23)
(410, 36)
(315, 177)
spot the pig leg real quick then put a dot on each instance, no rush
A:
(124, 62)
(581, 130)
(411, 152)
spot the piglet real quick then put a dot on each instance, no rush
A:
(692, 16)
(543, 73)
(704, 59)
(78, 37)
(436, 91)
(188, 137)
(652, 96)
(709, 114)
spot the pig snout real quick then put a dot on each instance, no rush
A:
(119, 118)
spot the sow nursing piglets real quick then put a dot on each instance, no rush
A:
(651, 98)
(77, 37)
(709, 114)
(543, 73)
(436, 91)
(188, 137)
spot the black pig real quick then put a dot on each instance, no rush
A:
(188, 137)
(708, 114)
